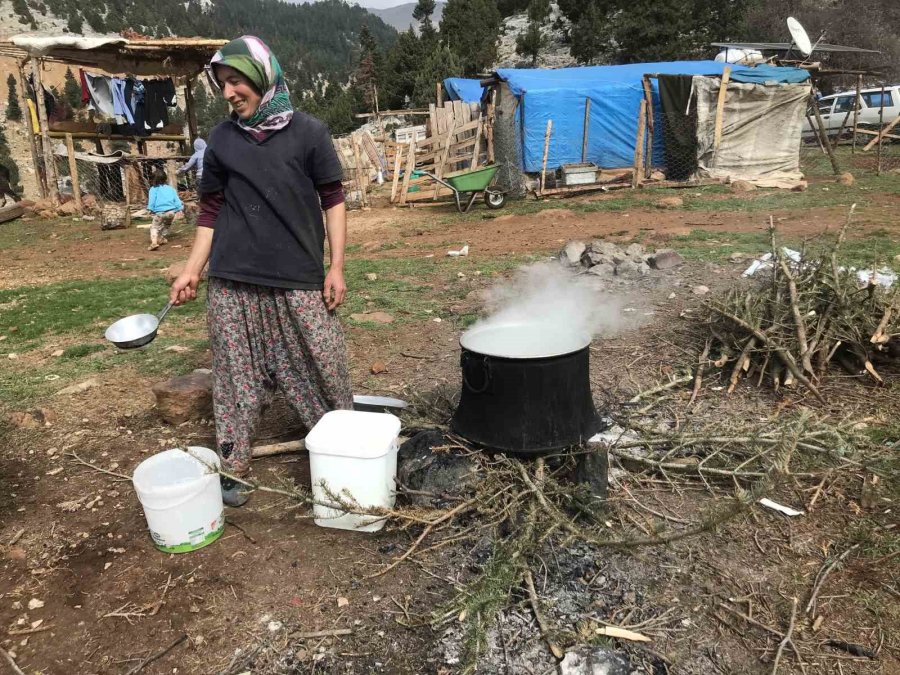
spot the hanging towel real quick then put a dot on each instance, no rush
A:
(101, 95)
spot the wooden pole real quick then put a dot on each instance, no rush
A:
(720, 106)
(442, 160)
(585, 129)
(172, 174)
(190, 109)
(32, 132)
(823, 136)
(546, 153)
(856, 112)
(881, 131)
(440, 95)
(651, 126)
(410, 167)
(639, 146)
(73, 173)
(357, 163)
(49, 165)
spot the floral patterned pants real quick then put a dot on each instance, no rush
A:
(265, 338)
(159, 226)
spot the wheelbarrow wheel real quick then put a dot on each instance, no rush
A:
(494, 199)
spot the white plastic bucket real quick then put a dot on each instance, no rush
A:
(353, 455)
(182, 498)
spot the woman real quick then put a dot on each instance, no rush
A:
(268, 174)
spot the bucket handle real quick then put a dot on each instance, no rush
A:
(486, 366)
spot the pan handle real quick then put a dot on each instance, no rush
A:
(485, 374)
(163, 312)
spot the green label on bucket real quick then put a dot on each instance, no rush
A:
(196, 538)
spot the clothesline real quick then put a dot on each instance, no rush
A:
(134, 107)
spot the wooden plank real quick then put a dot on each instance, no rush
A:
(428, 195)
(720, 106)
(410, 167)
(172, 174)
(441, 163)
(884, 133)
(823, 135)
(73, 173)
(869, 132)
(639, 145)
(477, 149)
(585, 130)
(190, 106)
(357, 163)
(546, 152)
(856, 112)
(395, 182)
(49, 161)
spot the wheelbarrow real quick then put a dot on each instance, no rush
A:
(469, 184)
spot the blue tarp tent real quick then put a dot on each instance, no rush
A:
(461, 89)
(615, 93)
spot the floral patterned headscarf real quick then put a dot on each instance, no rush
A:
(251, 57)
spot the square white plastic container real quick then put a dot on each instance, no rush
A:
(353, 455)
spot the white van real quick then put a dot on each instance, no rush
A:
(834, 110)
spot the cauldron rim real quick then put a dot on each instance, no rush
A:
(585, 343)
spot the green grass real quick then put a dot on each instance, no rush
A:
(84, 307)
(878, 247)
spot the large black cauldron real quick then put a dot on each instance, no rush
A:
(526, 388)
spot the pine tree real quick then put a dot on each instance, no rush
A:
(75, 23)
(422, 13)
(470, 29)
(209, 109)
(13, 110)
(588, 35)
(403, 61)
(72, 90)
(368, 70)
(440, 64)
(532, 41)
(7, 161)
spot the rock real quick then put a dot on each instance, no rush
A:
(846, 178)
(629, 269)
(670, 203)
(90, 203)
(78, 388)
(742, 186)
(47, 214)
(571, 254)
(371, 276)
(373, 317)
(32, 419)
(590, 660)
(635, 251)
(444, 474)
(58, 352)
(657, 175)
(184, 398)
(592, 471)
(700, 290)
(800, 187)
(590, 258)
(604, 270)
(178, 349)
(666, 258)
(378, 367)
(67, 209)
(173, 271)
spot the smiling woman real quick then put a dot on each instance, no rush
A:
(268, 174)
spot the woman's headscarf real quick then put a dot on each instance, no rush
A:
(251, 57)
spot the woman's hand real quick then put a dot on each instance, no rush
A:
(184, 288)
(335, 289)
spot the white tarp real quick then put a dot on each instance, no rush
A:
(39, 45)
(761, 126)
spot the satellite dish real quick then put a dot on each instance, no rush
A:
(798, 34)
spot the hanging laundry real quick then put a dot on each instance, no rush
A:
(85, 94)
(100, 91)
(120, 103)
(159, 95)
(134, 93)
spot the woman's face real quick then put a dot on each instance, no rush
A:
(238, 91)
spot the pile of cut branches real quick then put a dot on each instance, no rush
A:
(803, 317)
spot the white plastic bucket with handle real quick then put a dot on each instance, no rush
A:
(182, 498)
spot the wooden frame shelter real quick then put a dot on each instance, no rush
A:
(179, 58)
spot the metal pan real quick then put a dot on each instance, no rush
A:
(378, 403)
(136, 330)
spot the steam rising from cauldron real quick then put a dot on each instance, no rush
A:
(552, 298)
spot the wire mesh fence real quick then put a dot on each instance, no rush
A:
(816, 162)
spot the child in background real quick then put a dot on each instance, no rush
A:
(196, 161)
(163, 203)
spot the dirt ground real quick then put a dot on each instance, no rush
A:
(83, 590)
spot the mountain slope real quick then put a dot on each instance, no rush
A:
(401, 16)
(313, 41)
